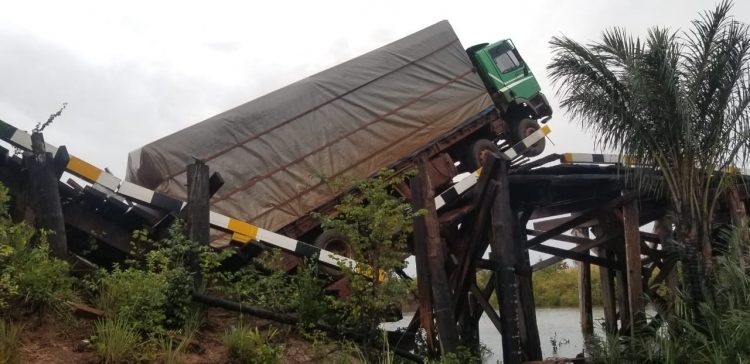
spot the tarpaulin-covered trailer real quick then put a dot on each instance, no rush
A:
(346, 122)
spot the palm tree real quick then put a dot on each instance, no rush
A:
(675, 101)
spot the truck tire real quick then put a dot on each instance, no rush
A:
(475, 155)
(525, 128)
(336, 242)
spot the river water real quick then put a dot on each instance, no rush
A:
(558, 327)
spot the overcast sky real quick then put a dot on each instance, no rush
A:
(135, 71)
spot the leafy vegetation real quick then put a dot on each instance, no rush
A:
(377, 225)
(30, 280)
(10, 342)
(676, 104)
(247, 345)
(723, 336)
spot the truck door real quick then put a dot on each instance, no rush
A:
(512, 71)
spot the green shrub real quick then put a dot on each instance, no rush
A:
(29, 277)
(263, 284)
(133, 295)
(377, 225)
(115, 340)
(10, 342)
(250, 346)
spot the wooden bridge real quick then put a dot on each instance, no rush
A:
(512, 207)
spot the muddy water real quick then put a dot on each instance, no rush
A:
(559, 332)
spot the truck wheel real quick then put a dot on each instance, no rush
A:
(336, 242)
(525, 128)
(478, 153)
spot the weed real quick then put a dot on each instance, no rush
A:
(115, 340)
(250, 346)
(10, 342)
(134, 295)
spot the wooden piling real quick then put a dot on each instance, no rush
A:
(607, 283)
(44, 195)
(198, 207)
(530, 341)
(504, 256)
(423, 272)
(441, 292)
(633, 263)
(584, 289)
(197, 214)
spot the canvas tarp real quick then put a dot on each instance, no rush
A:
(348, 121)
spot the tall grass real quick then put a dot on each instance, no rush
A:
(10, 344)
(115, 340)
(247, 345)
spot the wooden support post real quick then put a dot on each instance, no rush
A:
(198, 210)
(423, 271)
(44, 194)
(469, 327)
(584, 289)
(607, 279)
(530, 342)
(504, 256)
(633, 263)
(198, 207)
(623, 306)
(441, 292)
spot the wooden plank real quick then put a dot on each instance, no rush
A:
(504, 255)
(633, 264)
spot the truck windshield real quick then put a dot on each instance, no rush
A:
(505, 59)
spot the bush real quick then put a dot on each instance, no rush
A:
(115, 340)
(377, 225)
(250, 346)
(10, 342)
(136, 296)
(263, 284)
(29, 277)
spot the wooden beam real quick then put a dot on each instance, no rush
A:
(44, 194)
(423, 271)
(197, 210)
(477, 234)
(486, 307)
(584, 289)
(583, 217)
(503, 254)
(607, 283)
(530, 341)
(589, 244)
(633, 264)
(569, 254)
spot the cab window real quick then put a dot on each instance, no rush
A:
(505, 59)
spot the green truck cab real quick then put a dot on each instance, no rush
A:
(513, 88)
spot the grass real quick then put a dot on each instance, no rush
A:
(10, 342)
(247, 345)
(115, 340)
